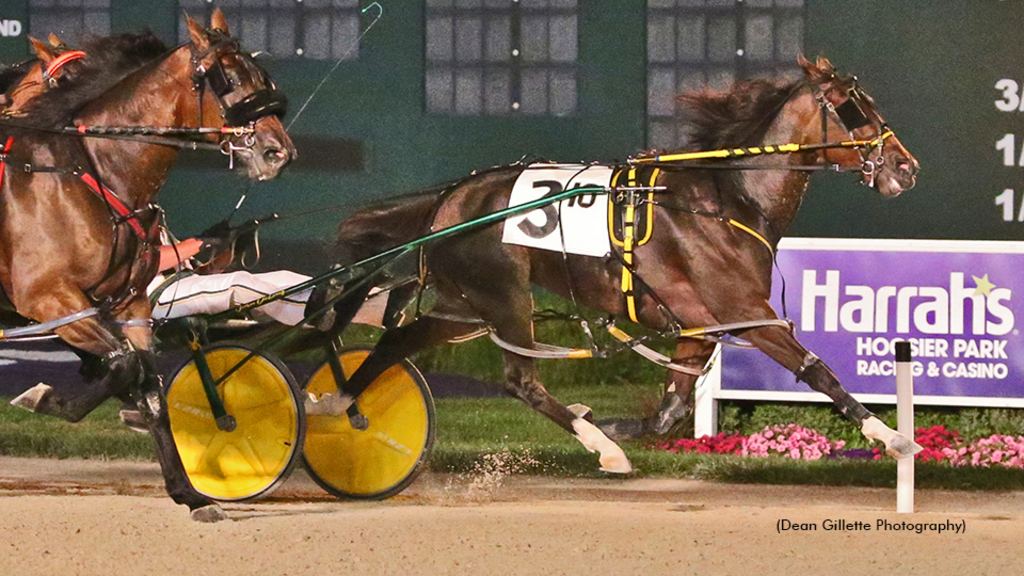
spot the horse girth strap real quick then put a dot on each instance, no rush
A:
(636, 229)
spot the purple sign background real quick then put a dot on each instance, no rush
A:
(958, 310)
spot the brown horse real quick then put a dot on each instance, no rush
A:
(78, 223)
(707, 263)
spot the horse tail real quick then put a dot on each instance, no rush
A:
(384, 226)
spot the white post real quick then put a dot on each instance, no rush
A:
(905, 426)
(705, 409)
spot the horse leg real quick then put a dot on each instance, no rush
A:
(147, 393)
(127, 370)
(393, 346)
(510, 312)
(782, 346)
(677, 402)
(522, 381)
(88, 336)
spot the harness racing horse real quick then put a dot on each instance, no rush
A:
(78, 223)
(708, 263)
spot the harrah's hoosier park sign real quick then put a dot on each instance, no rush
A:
(956, 302)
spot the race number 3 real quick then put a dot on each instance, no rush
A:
(1011, 100)
(550, 213)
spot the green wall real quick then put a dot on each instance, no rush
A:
(931, 66)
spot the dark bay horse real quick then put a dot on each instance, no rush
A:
(78, 223)
(703, 270)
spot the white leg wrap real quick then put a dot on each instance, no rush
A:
(896, 444)
(327, 405)
(31, 398)
(612, 459)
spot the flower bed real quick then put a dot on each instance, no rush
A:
(794, 441)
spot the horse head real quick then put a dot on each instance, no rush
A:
(31, 78)
(885, 163)
(245, 97)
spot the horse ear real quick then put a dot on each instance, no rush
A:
(195, 31)
(812, 71)
(825, 66)
(42, 50)
(55, 41)
(217, 22)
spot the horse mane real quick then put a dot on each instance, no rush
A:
(10, 75)
(109, 60)
(739, 116)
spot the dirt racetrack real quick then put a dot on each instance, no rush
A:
(111, 519)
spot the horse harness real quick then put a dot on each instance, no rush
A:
(631, 221)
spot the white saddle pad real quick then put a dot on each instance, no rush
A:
(578, 225)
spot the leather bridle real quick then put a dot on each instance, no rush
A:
(849, 111)
(209, 74)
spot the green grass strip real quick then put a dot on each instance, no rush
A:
(503, 435)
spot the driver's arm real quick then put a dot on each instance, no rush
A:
(172, 255)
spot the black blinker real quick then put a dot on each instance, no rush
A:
(851, 115)
(259, 104)
(218, 79)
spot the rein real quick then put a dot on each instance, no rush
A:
(725, 153)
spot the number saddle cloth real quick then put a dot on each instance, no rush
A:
(593, 222)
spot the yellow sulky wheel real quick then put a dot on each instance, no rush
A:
(262, 450)
(383, 460)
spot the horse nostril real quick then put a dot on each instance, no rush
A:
(906, 167)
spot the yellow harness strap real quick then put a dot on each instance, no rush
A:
(753, 233)
(759, 150)
(629, 234)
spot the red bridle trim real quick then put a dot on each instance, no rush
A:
(60, 61)
(114, 202)
(3, 160)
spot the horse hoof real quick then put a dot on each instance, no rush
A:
(209, 514)
(613, 463)
(621, 428)
(327, 405)
(31, 398)
(903, 447)
(612, 459)
(581, 411)
(896, 444)
(133, 420)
